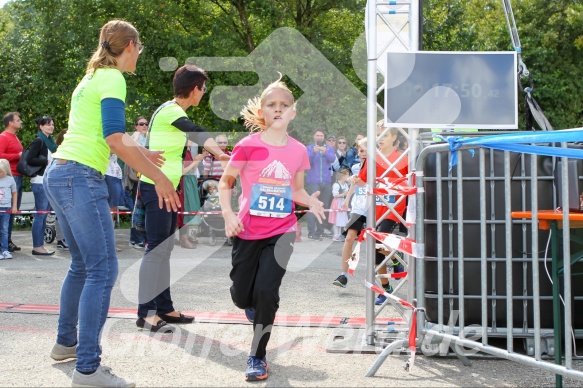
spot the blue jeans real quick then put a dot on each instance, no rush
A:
(41, 202)
(18, 180)
(154, 288)
(78, 195)
(4, 222)
(137, 237)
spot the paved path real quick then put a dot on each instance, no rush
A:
(212, 351)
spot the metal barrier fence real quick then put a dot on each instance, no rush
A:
(485, 272)
(496, 195)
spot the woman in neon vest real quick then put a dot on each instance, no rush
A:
(75, 185)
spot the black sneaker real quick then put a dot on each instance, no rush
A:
(315, 237)
(340, 281)
(12, 247)
(62, 244)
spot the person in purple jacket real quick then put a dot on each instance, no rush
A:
(319, 178)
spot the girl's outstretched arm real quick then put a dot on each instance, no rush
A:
(301, 196)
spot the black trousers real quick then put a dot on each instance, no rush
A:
(154, 287)
(258, 269)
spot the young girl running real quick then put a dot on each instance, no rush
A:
(357, 219)
(271, 165)
(400, 167)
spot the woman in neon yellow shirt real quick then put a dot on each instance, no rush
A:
(75, 185)
(170, 128)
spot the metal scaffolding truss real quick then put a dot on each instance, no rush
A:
(390, 26)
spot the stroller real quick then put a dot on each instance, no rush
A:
(211, 225)
(50, 229)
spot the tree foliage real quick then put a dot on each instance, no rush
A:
(45, 45)
(551, 37)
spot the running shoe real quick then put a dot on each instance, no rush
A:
(256, 369)
(12, 247)
(397, 266)
(381, 298)
(62, 244)
(250, 314)
(340, 281)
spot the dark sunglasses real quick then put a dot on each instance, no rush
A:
(204, 89)
(142, 124)
(341, 142)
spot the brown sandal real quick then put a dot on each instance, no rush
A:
(185, 243)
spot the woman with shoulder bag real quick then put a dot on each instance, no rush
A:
(39, 154)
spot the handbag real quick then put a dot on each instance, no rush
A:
(139, 213)
(24, 168)
(131, 174)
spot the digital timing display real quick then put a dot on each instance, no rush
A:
(436, 89)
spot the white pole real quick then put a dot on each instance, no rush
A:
(413, 146)
(371, 119)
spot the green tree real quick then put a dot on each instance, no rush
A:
(551, 36)
(45, 44)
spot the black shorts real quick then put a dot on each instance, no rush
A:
(356, 222)
(386, 226)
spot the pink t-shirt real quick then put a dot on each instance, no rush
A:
(267, 174)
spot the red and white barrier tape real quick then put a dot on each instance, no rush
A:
(412, 326)
(388, 241)
(397, 243)
(399, 275)
(394, 186)
(185, 213)
(400, 244)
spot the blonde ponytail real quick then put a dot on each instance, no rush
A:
(114, 37)
(250, 114)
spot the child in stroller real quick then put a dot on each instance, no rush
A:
(212, 225)
(211, 202)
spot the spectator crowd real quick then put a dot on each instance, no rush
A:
(335, 172)
(335, 162)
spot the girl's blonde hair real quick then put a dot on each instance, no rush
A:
(5, 166)
(362, 143)
(393, 131)
(380, 124)
(114, 37)
(250, 112)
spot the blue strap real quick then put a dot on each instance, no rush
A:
(454, 145)
(515, 143)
